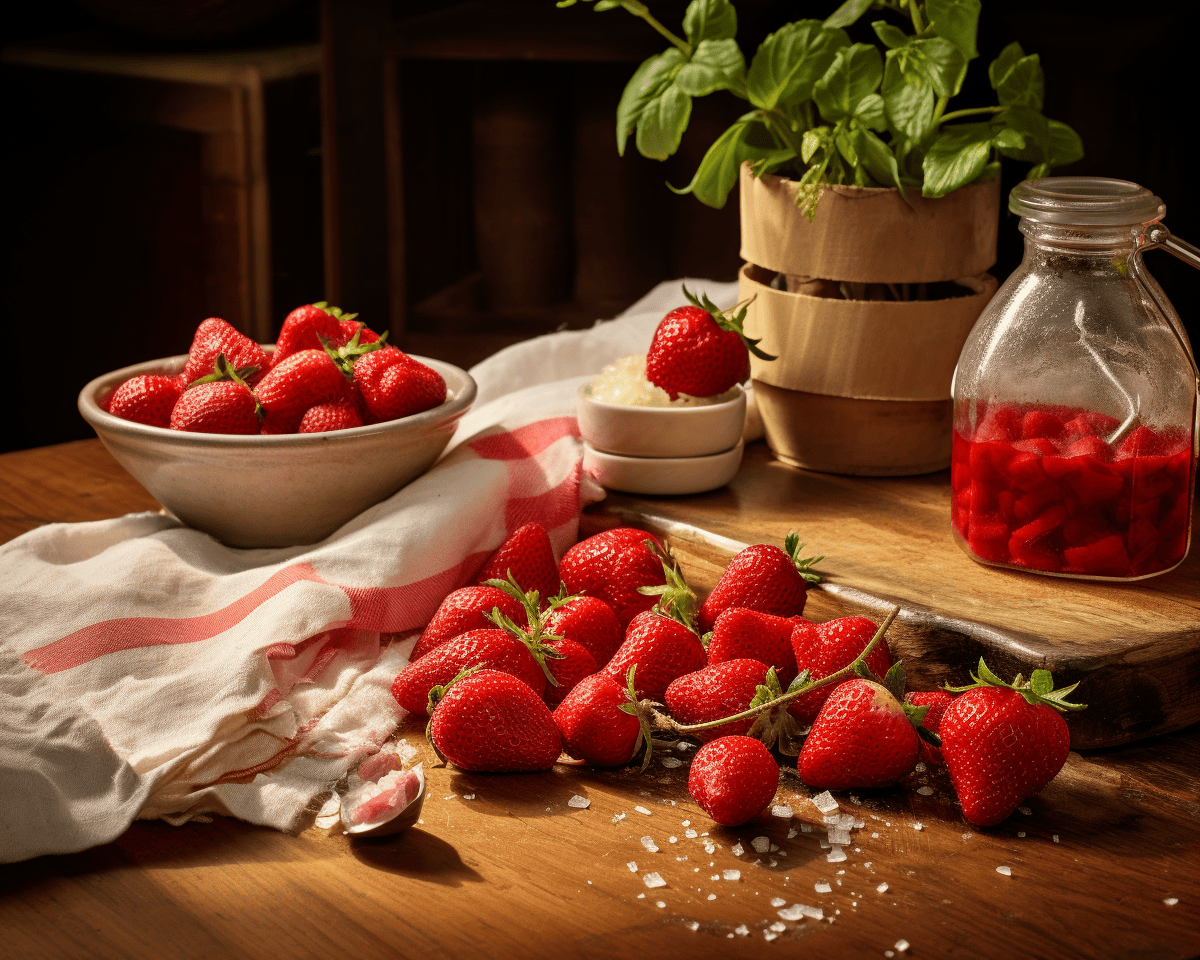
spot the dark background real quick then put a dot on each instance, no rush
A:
(104, 266)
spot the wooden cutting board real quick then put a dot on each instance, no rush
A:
(1134, 648)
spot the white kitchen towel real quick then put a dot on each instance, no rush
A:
(147, 670)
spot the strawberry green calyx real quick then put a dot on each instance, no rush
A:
(776, 727)
(893, 683)
(731, 319)
(224, 370)
(344, 356)
(1039, 688)
(647, 716)
(676, 599)
(536, 638)
(792, 547)
(334, 311)
(436, 693)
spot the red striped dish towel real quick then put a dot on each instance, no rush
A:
(148, 671)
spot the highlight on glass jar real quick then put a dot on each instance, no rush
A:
(1075, 396)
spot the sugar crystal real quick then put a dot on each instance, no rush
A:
(653, 880)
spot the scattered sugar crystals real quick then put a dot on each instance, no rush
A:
(649, 844)
(660, 904)
(693, 925)
(918, 825)
(920, 768)
(671, 762)
(632, 866)
(715, 876)
(901, 946)
(791, 833)
(838, 835)
(1171, 901)
(653, 880)
(778, 901)
(1026, 811)
(709, 848)
(1020, 833)
(690, 833)
(642, 810)
(1055, 838)
(471, 796)
(798, 911)
(925, 791)
(825, 802)
(822, 887)
(1007, 871)
(672, 839)
(742, 931)
(882, 888)
(777, 926)
(578, 802)
(617, 818)
(761, 844)
(712, 896)
(737, 849)
(836, 855)
(781, 810)
(732, 874)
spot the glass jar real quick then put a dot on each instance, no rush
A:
(1075, 396)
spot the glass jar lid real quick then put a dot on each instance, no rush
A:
(1085, 201)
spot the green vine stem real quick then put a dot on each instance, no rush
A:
(664, 723)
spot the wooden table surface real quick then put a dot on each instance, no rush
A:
(1105, 863)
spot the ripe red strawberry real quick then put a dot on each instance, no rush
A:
(825, 648)
(496, 649)
(864, 736)
(335, 415)
(661, 648)
(590, 622)
(573, 664)
(529, 557)
(395, 385)
(733, 778)
(304, 327)
(296, 383)
(1004, 742)
(740, 633)
(699, 350)
(765, 578)
(599, 722)
(146, 399)
(350, 327)
(613, 565)
(214, 337)
(490, 722)
(222, 406)
(716, 691)
(937, 701)
(464, 609)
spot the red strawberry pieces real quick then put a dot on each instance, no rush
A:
(661, 649)
(1004, 742)
(937, 701)
(765, 578)
(213, 338)
(464, 609)
(599, 722)
(572, 664)
(740, 633)
(335, 415)
(490, 722)
(590, 622)
(613, 565)
(699, 350)
(297, 383)
(826, 648)
(148, 399)
(395, 385)
(223, 406)
(528, 557)
(304, 328)
(733, 779)
(716, 691)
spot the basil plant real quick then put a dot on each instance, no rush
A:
(824, 110)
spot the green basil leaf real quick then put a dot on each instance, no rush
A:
(1065, 146)
(848, 13)
(709, 20)
(812, 142)
(648, 83)
(957, 21)
(889, 35)
(908, 97)
(717, 174)
(856, 72)
(870, 112)
(875, 156)
(661, 124)
(1008, 138)
(715, 65)
(943, 63)
(1039, 171)
(956, 157)
(790, 61)
(1018, 79)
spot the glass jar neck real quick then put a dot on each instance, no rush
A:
(1085, 241)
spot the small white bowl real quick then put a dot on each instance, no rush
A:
(276, 490)
(671, 476)
(661, 431)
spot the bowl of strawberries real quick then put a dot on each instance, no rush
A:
(279, 444)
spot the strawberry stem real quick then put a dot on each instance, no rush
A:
(796, 691)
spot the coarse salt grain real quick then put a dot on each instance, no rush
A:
(794, 912)
(471, 796)
(1007, 871)
(968, 836)
(806, 828)
(642, 810)
(660, 904)
(649, 844)
(838, 835)
(578, 802)
(1055, 838)
(822, 887)
(709, 848)
(632, 866)
(918, 825)
(732, 874)
(1171, 901)
(836, 855)
(653, 880)
(690, 833)
(742, 931)
(693, 925)
(672, 839)
(781, 810)
(671, 762)
(715, 876)
(1020, 833)
(901, 946)
(761, 844)
(825, 802)
(617, 818)
(882, 888)
(925, 791)
(777, 926)
(768, 935)
(920, 768)
(791, 833)
(1026, 811)
(712, 896)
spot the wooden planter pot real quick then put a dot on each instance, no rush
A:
(863, 386)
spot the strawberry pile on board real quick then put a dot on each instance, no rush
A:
(594, 654)
(328, 371)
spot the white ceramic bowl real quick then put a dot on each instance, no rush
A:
(671, 476)
(278, 490)
(661, 431)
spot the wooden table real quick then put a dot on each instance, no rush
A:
(515, 871)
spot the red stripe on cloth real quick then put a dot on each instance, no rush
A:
(410, 605)
(114, 636)
(551, 508)
(526, 441)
